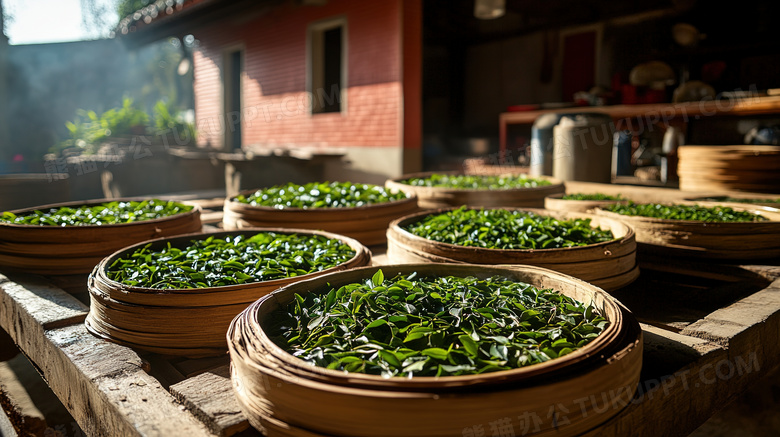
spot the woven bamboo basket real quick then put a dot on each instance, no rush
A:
(75, 250)
(284, 396)
(185, 322)
(735, 241)
(774, 201)
(366, 224)
(718, 168)
(443, 197)
(556, 203)
(610, 265)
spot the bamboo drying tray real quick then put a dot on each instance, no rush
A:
(75, 250)
(723, 200)
(717, 168)
(284, 396)
(366, 224)
(730, 240)
(187, 322)
(555, 202)
(443, 197)
(610, 265)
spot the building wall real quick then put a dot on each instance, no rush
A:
(275, 110)
(46, 85)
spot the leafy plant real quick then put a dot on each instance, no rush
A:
(108, 213)
(507, 229)
(89, 130)
(321, 195)
(593, 196)
(167, 118)
(685, 212)
(230, 260)
(433, 326)
(470, 182)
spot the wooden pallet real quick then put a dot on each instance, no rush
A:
(710, 332)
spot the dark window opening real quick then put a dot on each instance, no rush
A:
(327, 69)
(234, 70)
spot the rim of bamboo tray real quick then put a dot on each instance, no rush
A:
(554, 202)
(93, 325)
(770, 225)
(274, 400)
(704, 199)
(22, 233)
(290, 213)
(619, 246)
(176, 296)
(267, 352)
(556, 184)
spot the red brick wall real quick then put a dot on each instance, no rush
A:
(274, 84)
(412, 84)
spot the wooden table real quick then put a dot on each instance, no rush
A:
(709, 332)
(633, 116)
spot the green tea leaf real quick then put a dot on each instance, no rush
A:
(378, 278)
(108, 213)
(321, 195)
(507, 229)
(469, 344)
(456, 326)
(476, 182)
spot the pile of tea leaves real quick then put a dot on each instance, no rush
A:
(507, 229)
(433, 326)
(109, 213)
(592, 196)
(321, 195)
(738, 200)
(685, 212)
(476, 182)
(229, 260)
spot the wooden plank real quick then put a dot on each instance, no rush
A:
(6, 429)
(15, 398)
(102, 384)
(678, 391)
(749, 328)
(210, 397)
(31, 306)
(659, 111)
(46, 305)
(737, 345)
(105, 388)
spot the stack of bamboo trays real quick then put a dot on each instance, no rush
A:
(284, 396)
(730, 240)
(68, 253)
(610, 265)
(443, 197)
(366, 224)
(184, 322)
(743, 168)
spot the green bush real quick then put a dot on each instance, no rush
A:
(89, 130)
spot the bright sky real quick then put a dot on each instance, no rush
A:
(41, 21)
